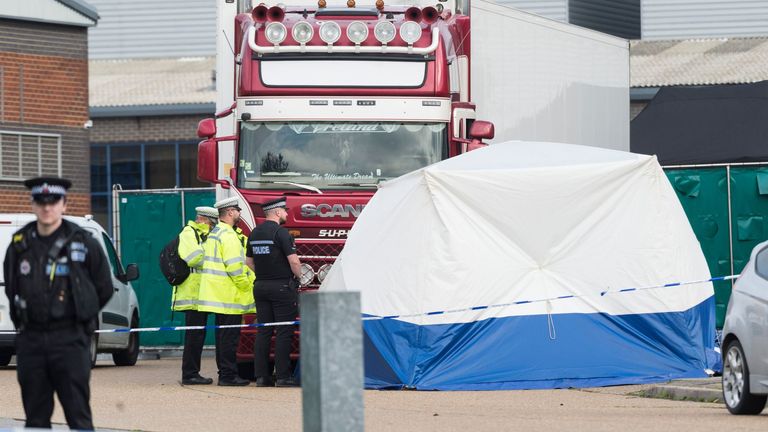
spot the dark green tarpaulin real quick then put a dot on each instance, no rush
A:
(148, 220)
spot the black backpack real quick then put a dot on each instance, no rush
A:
(174, 269)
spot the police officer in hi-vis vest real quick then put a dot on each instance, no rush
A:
(185, 295)
(272, 255)
(57, 280)
(225, 288)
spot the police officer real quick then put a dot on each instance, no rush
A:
(57, 280)
(272, 255)
(225, 288)
(185, 295)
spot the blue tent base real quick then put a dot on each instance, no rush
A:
(527, 352)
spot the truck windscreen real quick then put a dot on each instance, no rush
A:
(330, 155)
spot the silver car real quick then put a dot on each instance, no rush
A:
(745, 338)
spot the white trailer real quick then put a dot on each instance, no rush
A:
(543, 80)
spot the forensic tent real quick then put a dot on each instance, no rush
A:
(529, 265)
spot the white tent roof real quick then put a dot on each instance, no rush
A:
(524, 221)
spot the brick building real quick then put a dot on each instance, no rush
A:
(44, 98)
(145, 114)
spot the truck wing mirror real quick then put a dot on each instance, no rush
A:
(208, 160)
(475, 144)
(481, 130)
(206, 128)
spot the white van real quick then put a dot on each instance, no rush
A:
(121, 311)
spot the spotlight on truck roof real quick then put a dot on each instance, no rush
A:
(330, 32)
(410, 32)
(303, 32)
(384, 32)
(275, 32)
(357, 32)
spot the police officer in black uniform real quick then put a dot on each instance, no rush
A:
(272, 255)
(57, 280)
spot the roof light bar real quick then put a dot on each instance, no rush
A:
(259, 49)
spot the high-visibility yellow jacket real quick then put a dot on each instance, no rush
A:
(191, 251)
(225, 286)
(244, 241)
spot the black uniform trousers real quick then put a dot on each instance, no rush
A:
(55, 360)
(193, 344)
(276, 301)
(226, 346)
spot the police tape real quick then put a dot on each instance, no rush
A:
(415, 315)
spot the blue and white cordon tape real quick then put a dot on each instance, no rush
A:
(431, 313)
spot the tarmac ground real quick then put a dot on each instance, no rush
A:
(149, 397)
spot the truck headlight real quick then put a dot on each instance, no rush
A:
(303, 32)
(275, 32)
(307, 274)
(357, 32)
(322, 272)
(410, 32)
(384, 32)
(330, 32)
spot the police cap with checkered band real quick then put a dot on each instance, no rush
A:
(47, 189)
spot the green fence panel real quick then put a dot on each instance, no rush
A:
(703, 193)
(749, 207)
(148, 221)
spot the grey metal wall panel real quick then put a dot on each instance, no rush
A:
(683, 19)
(617, 17)
(151, 29)
(552, 9)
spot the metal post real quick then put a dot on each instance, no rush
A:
(183, 210)
(331, 362)
(730, 217)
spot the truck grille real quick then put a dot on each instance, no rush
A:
(316, 253)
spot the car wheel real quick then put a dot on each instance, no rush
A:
(130, 354)
(93, 349)
(5, 358)
(736, 393)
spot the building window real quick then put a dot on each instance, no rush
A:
(125, 162)
(139, 166)
(24, 155)
(99, 169)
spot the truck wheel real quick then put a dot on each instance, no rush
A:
(736, 393)
(129, 355)
(5, 358)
